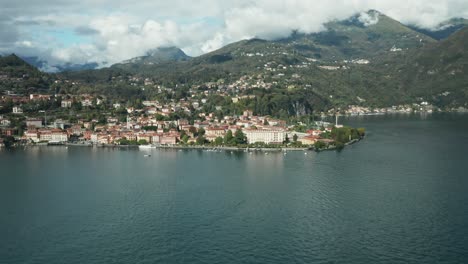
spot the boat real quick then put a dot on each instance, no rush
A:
(147, 155)
(146, 147)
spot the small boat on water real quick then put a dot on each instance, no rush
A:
(146, 147)
(147, 155)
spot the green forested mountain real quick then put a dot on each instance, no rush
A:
(156, 56)
(369, 59)
(444, 29)
(18, 76)
(440, 71)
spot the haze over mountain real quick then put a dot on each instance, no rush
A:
(368, 58)
(444, 29)
(159, 55)
(63, 32)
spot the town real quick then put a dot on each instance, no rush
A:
(92, 120)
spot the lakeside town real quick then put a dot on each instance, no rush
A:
(155, 124)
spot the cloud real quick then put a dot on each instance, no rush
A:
(86, 31)
(115, 30)
(368, 19)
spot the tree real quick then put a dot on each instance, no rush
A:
(201, 140)
(318, 145)
(201, 131)
(185, 138)
(339, 146)
(76, 106)
(142, 142)
(8, 141)
(228, 137)
(218, 141)
(102, 119)
(160, 117)
(361, 131)
(295, 138)
(123, 141)
(192, 130)
(240, 137)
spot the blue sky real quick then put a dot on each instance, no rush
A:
(63, 31)
(67, 36)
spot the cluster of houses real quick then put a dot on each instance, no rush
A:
(151, 131)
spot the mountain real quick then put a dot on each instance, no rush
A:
(76, 66)
(35, 61)
(444, 29)
(369, 59)
(16, 74)
(14, 66)
(45, 66)
(159, 55)
(352, 61)
(438, 72)
(363, 35)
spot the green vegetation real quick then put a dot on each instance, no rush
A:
(339, 138)
(8, 141)
(423, 69)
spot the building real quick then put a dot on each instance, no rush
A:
(87, 135)
(247, 113)
(32, 136)
(8, 131)
(215, 132)
(267, 136)
(59, 123)
(145, 136)
(17, 110)
(58, 135)
(156, 139)
(5, 122)
(34, 122)
(66, 103)
(168, 140)
(39, 97)
(76, 130)
(45, 135)
(308, 140)
(150, 103)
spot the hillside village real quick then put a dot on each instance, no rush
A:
(62, 121)
(269, 92)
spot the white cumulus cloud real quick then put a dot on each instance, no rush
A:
(117, 30)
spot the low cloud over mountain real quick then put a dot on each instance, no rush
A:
(106, 32)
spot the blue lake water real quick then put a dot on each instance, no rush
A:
(399, 196)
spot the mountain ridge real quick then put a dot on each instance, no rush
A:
(368, 59)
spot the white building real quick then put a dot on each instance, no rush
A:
(45, 136)
(32, 135)
(36, 122)
(59, 136)
(87, 102)
(66, 103)
(17, 110)
(4, 122)
(267, 136)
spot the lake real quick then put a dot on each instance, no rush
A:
(398, 196)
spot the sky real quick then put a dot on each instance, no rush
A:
(110, 31)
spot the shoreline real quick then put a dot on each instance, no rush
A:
(182, 147)
(176, 147)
